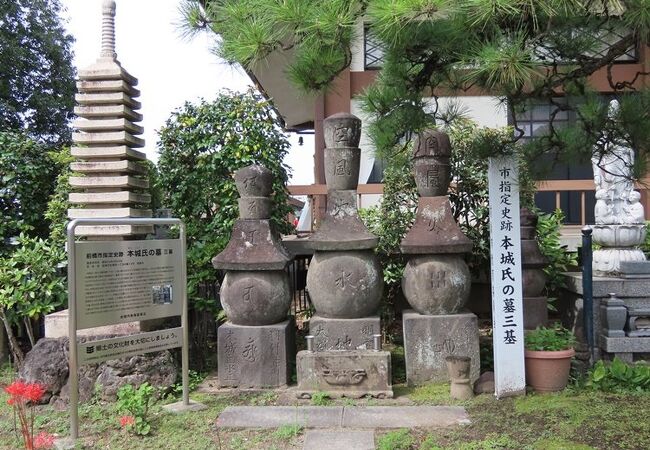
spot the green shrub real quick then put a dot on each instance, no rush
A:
(550, 339)
(136, 403)
(619, 377)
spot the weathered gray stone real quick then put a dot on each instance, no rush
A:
(638, 322)
(431, 169)
(253, 245)
(635, 268)
(254, 181)
(254, 208)
(352, 373)
(256, 297)
(342, 417)
(345, 284)
(436, 284)
(340, 440)
(435, 230)
(342, 167)
(180, 407)
(429, 339)
(342, 130)
(47, 363)
(625, 344)
(341, 228)
(613, 316)
(485, 383)
(255, 356)
(535, 312)
(343, 334)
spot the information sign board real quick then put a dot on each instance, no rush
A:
(126, 281)
(505, 258)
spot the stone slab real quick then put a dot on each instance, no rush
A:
(99, 125)
(277, 416)
(602, 286)
(107, 86)
(108, 138)
(107, 98)
(118, 151)
(107, 111)
(635, 268)
(107, 69)
(108, 197)
(339, 440)
(124, 166)
(625, 344)
(56, 326)
(369, 417)
(352, 373)
(180, 407)
(123, 181)
(428, 340)
(255, 356)
(535, 312)
(343, 334)
(107, 213)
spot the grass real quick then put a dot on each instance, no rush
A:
(575, 419)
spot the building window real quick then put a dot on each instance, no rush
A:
(373, 50)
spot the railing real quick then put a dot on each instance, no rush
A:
(556, 186)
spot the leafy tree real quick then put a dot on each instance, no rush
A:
(510, 48)
(27, 173)
(201, 146)
(36, 72)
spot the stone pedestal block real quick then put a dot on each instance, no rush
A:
(255, 356)
(428, 340)
(535, 312)
(351, 374)
(343, 334)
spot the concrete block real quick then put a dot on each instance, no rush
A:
(343, 334)
(255, 356)
(124, 181)
(120, 151)
(99, 125)
(108, 197)
(353, 373)
(124, 166)
(56, 326)
(428, 340)
(112, 138)
(107, 98)
(107, 111)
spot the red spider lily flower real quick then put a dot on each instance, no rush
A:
(44, 440)
(22, 392)
(127, 420)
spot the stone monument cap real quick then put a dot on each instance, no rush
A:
(431, 143)
(254, 181)
(342, 130)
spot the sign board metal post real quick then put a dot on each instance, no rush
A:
(113, 282)
(505, 262)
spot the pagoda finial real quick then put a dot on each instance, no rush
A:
(108, 29)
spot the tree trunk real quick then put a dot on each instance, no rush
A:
(4, 350)
(17, 353)
(30, 331)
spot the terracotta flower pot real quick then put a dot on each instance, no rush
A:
(548, 371)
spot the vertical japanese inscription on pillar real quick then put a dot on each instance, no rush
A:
(505, 255)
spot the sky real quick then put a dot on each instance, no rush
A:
(170, 69)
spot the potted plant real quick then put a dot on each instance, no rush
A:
(548, 358)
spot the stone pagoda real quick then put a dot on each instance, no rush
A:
(436, 280)
(535, 303)
(345, 283)
(106, 142)
(256, 345)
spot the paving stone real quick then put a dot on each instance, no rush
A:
(404, 417)
(339, 440)
(343, 417)
(277, 416)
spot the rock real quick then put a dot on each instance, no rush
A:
(485, 383)
(47, 363)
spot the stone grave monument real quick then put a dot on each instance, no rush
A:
(621, 282)
(112, 182)
(345, 283)
(436, 280)
(256, 345)
(534, 278)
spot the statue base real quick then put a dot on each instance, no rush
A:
(252, 357)
(428, 340)
(351, 374)
(608, 261)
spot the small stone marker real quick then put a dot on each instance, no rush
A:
(505, 253)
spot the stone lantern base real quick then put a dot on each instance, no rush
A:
(428, 340)
(252, 357)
